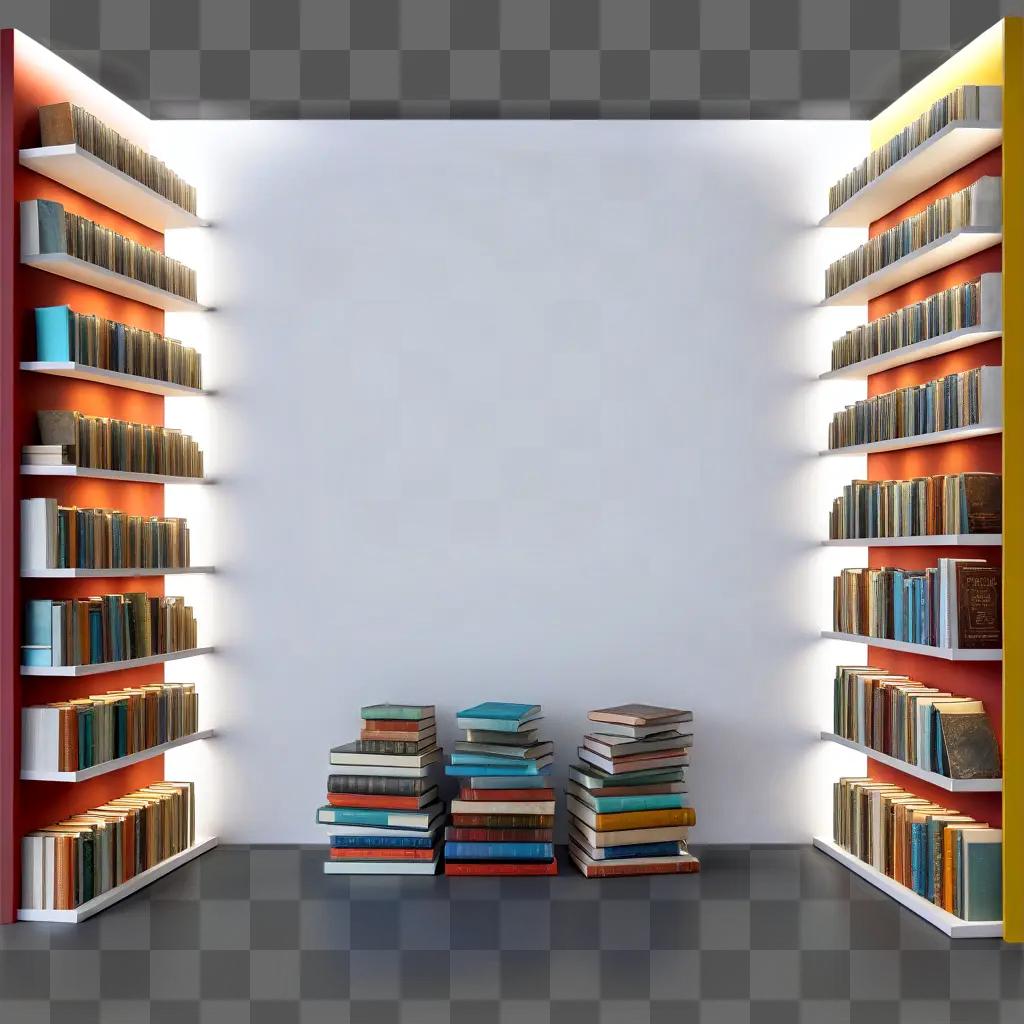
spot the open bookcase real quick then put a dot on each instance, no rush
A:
(949, 161)
(30, 799)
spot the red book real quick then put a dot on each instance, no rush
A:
(454, 834)
(506, 794)
(389, 725)
(399, 803)
(503, 820)
(374, 853)
(500, 868)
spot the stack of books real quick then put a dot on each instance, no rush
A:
(627, 803)
(382, 806)
(503, 821)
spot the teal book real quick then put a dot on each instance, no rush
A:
(484, 770)
(399, 712)
(384, 818)
(49, 226)
(498, 851)
(121, 742)
(494, 724)
(655, 802)
(53, 334)
(36, 657)
(88, 879)
(983, 879)
(916, 867)
(39, 623)
(502, 711)
(95, 636)
(460, 757)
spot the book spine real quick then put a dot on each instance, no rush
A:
(396, 853)
(387, 747)
(504, 820)
(498, 835)
(375, 785)
(500, 868)
(499, 851)
(382, 842)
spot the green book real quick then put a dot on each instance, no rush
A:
(403, 712)
(983, 874)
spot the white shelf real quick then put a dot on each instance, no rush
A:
(962, 338)
(957, 245)
(942, 781)
(105, 767)
(916, 441)
(110, 574)
(76, 269)
(82, 371)
(938, 540)
(945, 653)
(947, 151)
(112, 474)
(90, 176)
(954, 927)
(118, 893)
(111, 666)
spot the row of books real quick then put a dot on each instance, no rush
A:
(977, 205)
(966, 103)
(931, 728)
(963, 305)
(503, 821)
(67, 537)
(114, 627)
(627, 803)
(71, 862)
(964, 399)
(945, 857)
(72, 735)
(957, 604)
(67, 124)
(382, 807)
(63, 336)
(923, 506)
(46, 227)
(70, 438)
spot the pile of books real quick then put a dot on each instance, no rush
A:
(383, 808)
(627, 803)
(503, 821)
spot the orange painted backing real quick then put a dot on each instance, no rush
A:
(40, 803)
(982, 681)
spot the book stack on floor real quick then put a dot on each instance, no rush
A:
(382, 806)
(627, 801)
(503, 821)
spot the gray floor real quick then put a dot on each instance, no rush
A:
(765, 935)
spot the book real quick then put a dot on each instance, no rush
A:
(591, 777)
(611, 746)
(640, 715)
(455, 850)
(682, 863)
(637, 762)
(617, 822)
(390, 854)
(670, 848)
(982, 875)
(525, 766)
(397, 712)
(67, 124)
(381, 867)
(421, 737)
(629, 837)
(468, 793)
(425, 771)
(352, 754)
(47, 228)
(502, 711)
(374, 785)
(424, 841)
(504, 750)
(979, 606)
(615, 804)
(469, 834)
(406, 803)
(475, 771)
(520, 738)
(503, 806)
(399, 725)
(969, 744)
(511, 868)
(383, 831)
(498, 781)
(503, 820)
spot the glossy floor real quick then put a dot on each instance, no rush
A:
(765, 935)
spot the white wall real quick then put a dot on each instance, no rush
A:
(516, 411)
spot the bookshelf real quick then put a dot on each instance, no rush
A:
(947, 162)
(81, 371)
(31, 77)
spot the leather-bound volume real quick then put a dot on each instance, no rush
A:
(971, 748)
(979, 597)
(983, 502)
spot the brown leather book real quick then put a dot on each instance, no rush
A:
(56, 125)
(979, 597)
(639, 714)
(971, 747)
(983, 494)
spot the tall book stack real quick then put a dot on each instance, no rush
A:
(503, 821)
(382, 807)
(627, 801)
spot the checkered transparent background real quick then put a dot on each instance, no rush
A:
(506, 58)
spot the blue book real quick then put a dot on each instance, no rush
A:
(916, 867)
(36, 657)
(383, 842)
(614, 804)
(53, 334)
(498, 851)
(501, 710)
(641, 850)
(463, 770)
(39, 623)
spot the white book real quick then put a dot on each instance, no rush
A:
(38, 534)
(381, 867)
(395, 773)
(32, 891)
(40, 739)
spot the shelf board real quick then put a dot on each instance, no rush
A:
(945, 653)
(76, 269)
(110, 574)
(112, 766)
(82, 371)
(957, 245)
(112, 474)
(946, 151)
(90, 176)
(942, 781)
(954, 927)
(916, 441)
(111, 666)
(939, 345)
(938, 540)
(118, 893)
